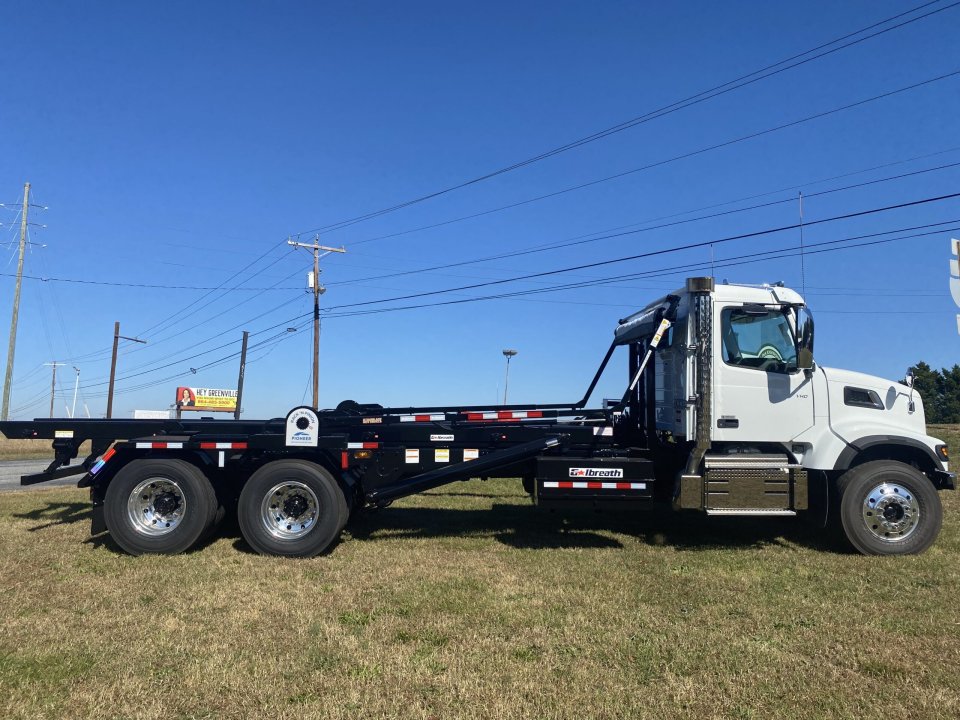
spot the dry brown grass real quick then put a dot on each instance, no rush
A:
(468, 603)
(32, 449)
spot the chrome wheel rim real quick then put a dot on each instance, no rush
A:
(156, 506)
(289, 510)
(891, 512)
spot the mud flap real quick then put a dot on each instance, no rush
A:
(818, 489)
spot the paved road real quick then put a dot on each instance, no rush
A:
(11, 470)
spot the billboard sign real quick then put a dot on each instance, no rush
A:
(189, 398)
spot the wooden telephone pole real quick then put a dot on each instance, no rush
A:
(318, 290)
(53, 382)
(117, 337)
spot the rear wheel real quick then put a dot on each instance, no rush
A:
(889, 508)
(159, 506)
(293, 508)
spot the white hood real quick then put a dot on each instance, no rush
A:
(895, 416)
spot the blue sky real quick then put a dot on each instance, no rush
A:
(177, 144)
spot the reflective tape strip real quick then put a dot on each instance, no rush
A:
(413, 456)
(344, 460)
(504, 415)
(603, 431)
(362, 445)
(568, 485)
(160, 446)
(223, 446)
(422, 418)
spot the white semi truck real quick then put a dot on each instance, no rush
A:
(725, 412)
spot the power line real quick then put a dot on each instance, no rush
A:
(682, 156)
(144, 286)
(279, 337)
(721, 204)
(749, 258)
(697, 98)
(147, 366)
(183, 312)
(705, 243)
(589, 237)
(101, 352)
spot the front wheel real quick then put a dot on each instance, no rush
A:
(293, 508)
(889, 508)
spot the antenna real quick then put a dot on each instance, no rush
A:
(803, 272)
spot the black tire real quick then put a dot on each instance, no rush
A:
(889, 508)
(159, 507)
(292, 508)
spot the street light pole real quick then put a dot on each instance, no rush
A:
(506, 381)
(76, 387)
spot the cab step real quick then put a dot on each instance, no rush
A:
(754, 512)
(746, 484)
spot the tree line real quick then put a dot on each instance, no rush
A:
(940, 390)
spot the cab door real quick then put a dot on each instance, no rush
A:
(759, 393)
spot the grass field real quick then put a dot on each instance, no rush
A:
(467, 603)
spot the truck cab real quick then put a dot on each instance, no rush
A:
(766, 430)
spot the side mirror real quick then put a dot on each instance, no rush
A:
(804, 339)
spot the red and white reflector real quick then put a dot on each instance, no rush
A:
(571, 485)
(159, 446)
(423, 418)
(223, 446)
(504, 415)
(362, 445)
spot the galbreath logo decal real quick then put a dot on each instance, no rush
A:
(596, 472)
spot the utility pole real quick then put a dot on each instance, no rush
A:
(318, 290)
(243, 366)
(53, 382)
(117, 337)
(8, 378)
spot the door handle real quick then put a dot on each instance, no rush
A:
(726, 423)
